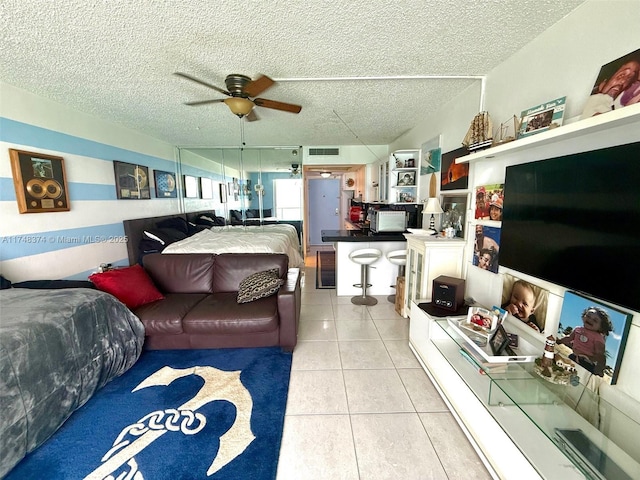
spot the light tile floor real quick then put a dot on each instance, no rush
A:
(360, 406)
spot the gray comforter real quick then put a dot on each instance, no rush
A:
(57, 348)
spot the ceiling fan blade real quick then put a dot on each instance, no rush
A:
(201, 82)
(257, 86)
(252, 116)
(204, 102)
(287, 107)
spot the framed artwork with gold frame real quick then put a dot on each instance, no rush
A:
(40, 182)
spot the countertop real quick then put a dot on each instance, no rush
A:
(361, 236)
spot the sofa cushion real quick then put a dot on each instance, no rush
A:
(131, 285)
(181, 273)
(259, 285)
(232, 268)
(165, 318)
(221, 314)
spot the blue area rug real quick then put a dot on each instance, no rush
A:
(187, 414)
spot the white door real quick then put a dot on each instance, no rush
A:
(324, 207)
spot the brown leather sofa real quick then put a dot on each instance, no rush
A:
(200, 308)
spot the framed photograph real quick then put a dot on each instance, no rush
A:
(39, 181)
(542, 117)
(406, 179)
(593, 334)
(455, 211)
(525, 301)
(499, 341)
(486, 248)
(206, 187)
(191, 189)
(482, 322)
(617, 86)
(223, 192)
(132, 181)
(454, 176)
(166, 186)
(489, 202)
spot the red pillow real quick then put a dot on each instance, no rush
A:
(131, 285)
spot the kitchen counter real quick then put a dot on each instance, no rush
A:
(361, 236)
(382, 273)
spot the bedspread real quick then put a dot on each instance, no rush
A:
(281, 238)
(57, 348)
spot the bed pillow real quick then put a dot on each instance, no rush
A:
(176, 223)
(196, 227)
(250, 214)
(164, 236)
(235, 215)
(205, 220)
(259, 285)
(131, 285)
(266, 212)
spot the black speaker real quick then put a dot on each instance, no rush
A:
(448, 293)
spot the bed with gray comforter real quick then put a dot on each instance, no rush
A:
(57, 348)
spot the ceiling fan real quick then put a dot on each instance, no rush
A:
(241, 91)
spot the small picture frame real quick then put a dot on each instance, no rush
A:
(132, 181)
(499, 341)
(481, 321)
(223, 193)
(406, 179)
(206, 187)
(191, 189)
(40, 182)
(542, 117)
(166, 186)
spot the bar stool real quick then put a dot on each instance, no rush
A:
(397, 257)
(364, 257)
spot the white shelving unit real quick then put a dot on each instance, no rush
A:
(404, 163)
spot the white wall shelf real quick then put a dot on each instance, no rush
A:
(600, 131)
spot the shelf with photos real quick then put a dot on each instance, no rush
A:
(599, 131)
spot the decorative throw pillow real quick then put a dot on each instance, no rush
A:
(266, 212)
(164, 236)
(131, 285)
(259, 285)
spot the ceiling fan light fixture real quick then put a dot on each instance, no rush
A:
(239, 106)
(325, 174)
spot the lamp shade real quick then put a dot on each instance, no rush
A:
(432, 206)
(240, 106)
(325, 174)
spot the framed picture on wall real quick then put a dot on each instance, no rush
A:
(132, 181)
(206, 187)
(166, 186)
(454, 207)
(191, 189)
(593, 334)
(40, 182)
(454, 176)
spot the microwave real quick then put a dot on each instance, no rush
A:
(388, 221)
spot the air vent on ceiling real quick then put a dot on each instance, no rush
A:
(324, 151)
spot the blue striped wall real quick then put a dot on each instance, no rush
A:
(71, 244)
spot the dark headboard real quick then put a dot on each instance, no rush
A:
(133, 229)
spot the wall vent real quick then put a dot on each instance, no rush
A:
(324, 151)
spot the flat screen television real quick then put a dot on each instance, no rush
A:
(575, 221)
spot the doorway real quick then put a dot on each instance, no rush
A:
(323, 200)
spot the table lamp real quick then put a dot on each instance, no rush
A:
(433, 207)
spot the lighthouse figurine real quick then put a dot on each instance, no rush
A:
(548, 355)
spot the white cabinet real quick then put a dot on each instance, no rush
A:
(404, 176)
(429, 257)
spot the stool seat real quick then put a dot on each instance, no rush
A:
(364, 257)
(397, 257)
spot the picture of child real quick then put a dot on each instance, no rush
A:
(588, 341)
(525, 301)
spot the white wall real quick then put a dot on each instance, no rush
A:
(54, 245)
(564, 60)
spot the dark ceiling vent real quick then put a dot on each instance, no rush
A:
(324, 151)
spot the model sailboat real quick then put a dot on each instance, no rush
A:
(480, 133)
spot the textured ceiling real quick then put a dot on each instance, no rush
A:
(115, 60)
